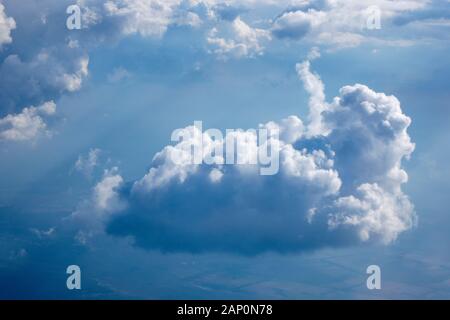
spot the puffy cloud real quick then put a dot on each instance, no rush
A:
(374, 212)
(6, 25)
(337, 185)
(72, 81)
(334, 23)
(104, 203)
(316, 90)
(40, 65)
(114, 19)
(28, 124)
(369, 136)
(368, 133)
(106, 197)
(45, 75)
(244, 40)
(290, 129)
(146, 17)
(297, 24)
(46, 60)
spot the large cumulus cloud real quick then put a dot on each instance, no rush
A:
(339, 183)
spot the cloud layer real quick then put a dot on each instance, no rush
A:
(42, 60)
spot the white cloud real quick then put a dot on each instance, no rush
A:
(106, 197)
(332, 23)
(101, 206)
(240, 41)
(28, 124)
(316, 90)
(45, 75)
(173, 164)
(338, 23)
(45, 61)
(290, 129)
(72, 81)
(34, 73)
(105, 201)
(7, 24)
(368, 133)
(146, 17)
(90, 15)
(375, 213)
(297, 24)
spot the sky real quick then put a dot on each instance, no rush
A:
(357, 92)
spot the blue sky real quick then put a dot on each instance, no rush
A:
(84, 112)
